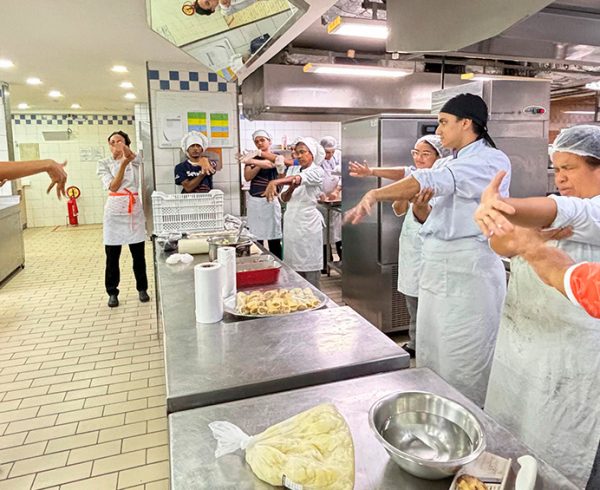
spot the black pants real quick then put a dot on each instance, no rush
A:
(112, 274)
(274, 247)
(338, 249)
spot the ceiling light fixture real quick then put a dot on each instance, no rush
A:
(126, 85)
(484, 77)
(54, 94)
(33, 81)
(5, 63)
(119, 69)
(23, 105)
(356, 70)
(75, 106)
(593, 85)
(344, 26)
(579, 112)
(130, 96)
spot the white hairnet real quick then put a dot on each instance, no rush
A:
(261, 132)
(329, 143)
(436, 142)
(318, 152)
(194, 138)
(583, 140)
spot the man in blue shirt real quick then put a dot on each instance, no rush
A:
(195, 173)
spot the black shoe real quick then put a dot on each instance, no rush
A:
(144, 298)
(411, 352)
(113, 300)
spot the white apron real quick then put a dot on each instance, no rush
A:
(303, 233)
(124, 221)
(409, 255)
(264, 218)
(461, 292)
(545, 380)
(335, 226)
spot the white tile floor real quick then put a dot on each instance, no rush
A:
(82, 395)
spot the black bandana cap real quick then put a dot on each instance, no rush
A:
(469, 106)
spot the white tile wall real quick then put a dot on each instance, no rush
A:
(6, 189)
(165, 160)
(47, 210)
(289, 130)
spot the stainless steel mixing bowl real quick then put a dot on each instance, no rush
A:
(427, 435)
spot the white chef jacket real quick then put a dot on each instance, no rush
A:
(457, 183)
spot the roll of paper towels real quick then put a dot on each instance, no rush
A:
(226, 256)
(208, 290)
(192, 246)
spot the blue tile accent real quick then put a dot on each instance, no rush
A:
(165, 85)
(153, 75)
(21, 116)
(203, 86)
(184, 85)
(39, 121)
(212, 77)
(194, 76)
(17, 121)
(173, 75)
(222, 87)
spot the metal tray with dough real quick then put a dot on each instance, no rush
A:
(230, 304)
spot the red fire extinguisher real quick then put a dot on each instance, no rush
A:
(73, 193)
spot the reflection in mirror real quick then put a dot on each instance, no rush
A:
(224, 35)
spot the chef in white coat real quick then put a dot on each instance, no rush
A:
(463, 283)
(332, 188)
(426, 152)
(124, 222)
(303, 224)
(545, 380)
(264, 217)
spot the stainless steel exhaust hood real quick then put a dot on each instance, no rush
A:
(276, 92)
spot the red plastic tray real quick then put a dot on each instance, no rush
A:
(256, 271)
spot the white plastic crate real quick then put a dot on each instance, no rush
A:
(176, 213)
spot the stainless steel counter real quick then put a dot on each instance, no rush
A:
(236, 358)
(191, 445)
(12, 252)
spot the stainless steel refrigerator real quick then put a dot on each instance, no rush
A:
(370, 266)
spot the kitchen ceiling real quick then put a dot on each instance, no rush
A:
(561, 42)
(72, 44)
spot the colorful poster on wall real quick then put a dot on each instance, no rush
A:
(197, 122)
(220, 132)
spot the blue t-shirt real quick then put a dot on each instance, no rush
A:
(186, 171)
(259, 183)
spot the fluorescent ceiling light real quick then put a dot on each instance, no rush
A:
(126, 85)
(54, 94)
(5, 63)
(33, 81)
(593, 85)
(23, 105)
(344, 26)
(579, 112)
(119, 69)
(483, 77)
(75, 106)
(130, 96)
(355, 70)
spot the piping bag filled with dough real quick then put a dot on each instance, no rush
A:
(311, 450)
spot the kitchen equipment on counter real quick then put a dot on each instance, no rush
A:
(427, 435)
(208, 292)
(257, 270)
(242, 246)
(226, 256)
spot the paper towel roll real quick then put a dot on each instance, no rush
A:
(208, 290)
(193, 246)
(226, 257)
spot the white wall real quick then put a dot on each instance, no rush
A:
(196, 84)
(6, 189)
(88, 142)
(289, 129)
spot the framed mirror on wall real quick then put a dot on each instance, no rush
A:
(224, 35)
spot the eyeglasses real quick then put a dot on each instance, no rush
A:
(423, 154)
